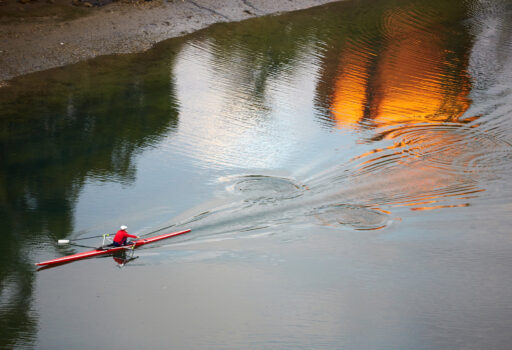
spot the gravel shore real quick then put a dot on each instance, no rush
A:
(33, 42)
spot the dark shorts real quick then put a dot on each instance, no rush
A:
(115, 244)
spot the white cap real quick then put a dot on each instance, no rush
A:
(123, 227)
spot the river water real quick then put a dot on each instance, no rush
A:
(345, 171)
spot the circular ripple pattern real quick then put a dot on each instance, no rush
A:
(351, 216)
(450, 148)
(263, 186)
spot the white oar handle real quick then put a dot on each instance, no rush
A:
(63, 241)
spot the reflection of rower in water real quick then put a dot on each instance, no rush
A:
(121, 258)
(121, 237)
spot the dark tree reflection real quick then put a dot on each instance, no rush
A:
(59, 129)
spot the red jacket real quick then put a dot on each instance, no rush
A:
(121, 237)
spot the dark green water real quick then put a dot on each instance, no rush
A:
(345, 171)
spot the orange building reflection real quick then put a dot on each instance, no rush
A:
(408, 85)
(411, 79)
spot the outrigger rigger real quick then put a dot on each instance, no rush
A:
(108, 249)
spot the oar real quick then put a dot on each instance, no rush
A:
(83, 246)
(68, 241)
(160, 229)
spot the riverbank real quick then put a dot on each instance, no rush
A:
(36, 36)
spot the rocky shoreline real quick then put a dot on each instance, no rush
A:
(34, 43)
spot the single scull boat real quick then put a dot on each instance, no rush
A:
(109, 250)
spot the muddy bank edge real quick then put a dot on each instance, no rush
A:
(35, 45)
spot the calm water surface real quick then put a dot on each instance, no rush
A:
(345, 172)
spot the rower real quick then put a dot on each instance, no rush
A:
(121, 237)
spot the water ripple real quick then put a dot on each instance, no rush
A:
(356, 217)
(263, 187)
(449, 147)
(400, 21)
